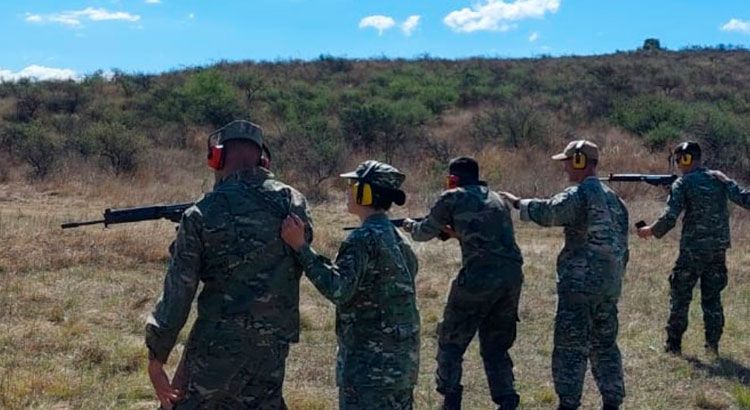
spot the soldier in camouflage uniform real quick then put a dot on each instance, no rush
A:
(372, 285)
(484, 296)
(705, 238)
(248, 310)
(589, 277)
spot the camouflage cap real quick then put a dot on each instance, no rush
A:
(378, 174)
(239, 129)
(585, 147)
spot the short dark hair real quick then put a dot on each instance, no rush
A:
(466, 168)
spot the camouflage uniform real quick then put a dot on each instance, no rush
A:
(703, 244)
(589, 279)
(484, 296)
(377, 322)
(248, 310)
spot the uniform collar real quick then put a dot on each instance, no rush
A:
(376, 218)
(252, 176)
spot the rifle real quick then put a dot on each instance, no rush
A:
(172, 212)
(654, 180)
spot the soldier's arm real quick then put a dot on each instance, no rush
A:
(560, 210)
(432, 226)
(675, 205)
(180, 285)
(738, 195)
(337, 281)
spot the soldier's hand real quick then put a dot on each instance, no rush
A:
(167, 395)
(514, 200)
(720, 176)
(408, 224)
(293, 232)
(645, 232)
(448, 232)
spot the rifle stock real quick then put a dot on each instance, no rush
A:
(172, 212)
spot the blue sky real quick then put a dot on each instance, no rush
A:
(61, 38)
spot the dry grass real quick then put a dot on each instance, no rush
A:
(73, 303)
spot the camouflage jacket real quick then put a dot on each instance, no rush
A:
(482, 221)
(595, 222)
(229, 240)
(738, 195)
(377, 322)
(704, 200)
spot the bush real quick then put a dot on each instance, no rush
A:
(662, 135)
(645, 113)
(121, 147)
(210, 99)
(512, 126)
(39, 148)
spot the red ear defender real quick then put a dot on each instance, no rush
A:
(216, 157)
(452, 181)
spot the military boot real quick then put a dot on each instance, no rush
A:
(452, 401)
(610, 407)
(673, 346)
(712, 349)
(509, 402)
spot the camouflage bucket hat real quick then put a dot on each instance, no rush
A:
(378, 174)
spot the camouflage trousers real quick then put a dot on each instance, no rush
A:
(227, 367)
(483, 300)
(373, 398)
(710, 267)
(586, 329)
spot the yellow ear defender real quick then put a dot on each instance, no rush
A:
(362, 192)
(361, 188)
(684, 158)
(579, 158)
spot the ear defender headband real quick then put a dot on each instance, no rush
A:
(579, 158)
(361, 189)
(684, 158)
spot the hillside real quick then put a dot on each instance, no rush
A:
(321, 116)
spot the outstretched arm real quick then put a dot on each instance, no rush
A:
(337, 281)
(560, 210)
(740, 196)
(668, 218)
(435, 224)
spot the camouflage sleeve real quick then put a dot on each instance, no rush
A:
(738, 195)
(560, 210)
(672, 211)
(180, 285)
(336, 281)
(302, 210)
(440, 216)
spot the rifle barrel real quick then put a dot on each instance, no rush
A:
(77, 224)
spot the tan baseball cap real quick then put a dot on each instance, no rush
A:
(585, 147)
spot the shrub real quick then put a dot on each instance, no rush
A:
(210, 99)
(121, 147)
(39, 148)
(512, 126)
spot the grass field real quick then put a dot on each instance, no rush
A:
(73, 305)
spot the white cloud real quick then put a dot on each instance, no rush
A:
(534, 37)
(378, 22)
(408, 26)
(497, 15)
(76, 18)
(737, 25)
(40, 73)
(153, 1)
